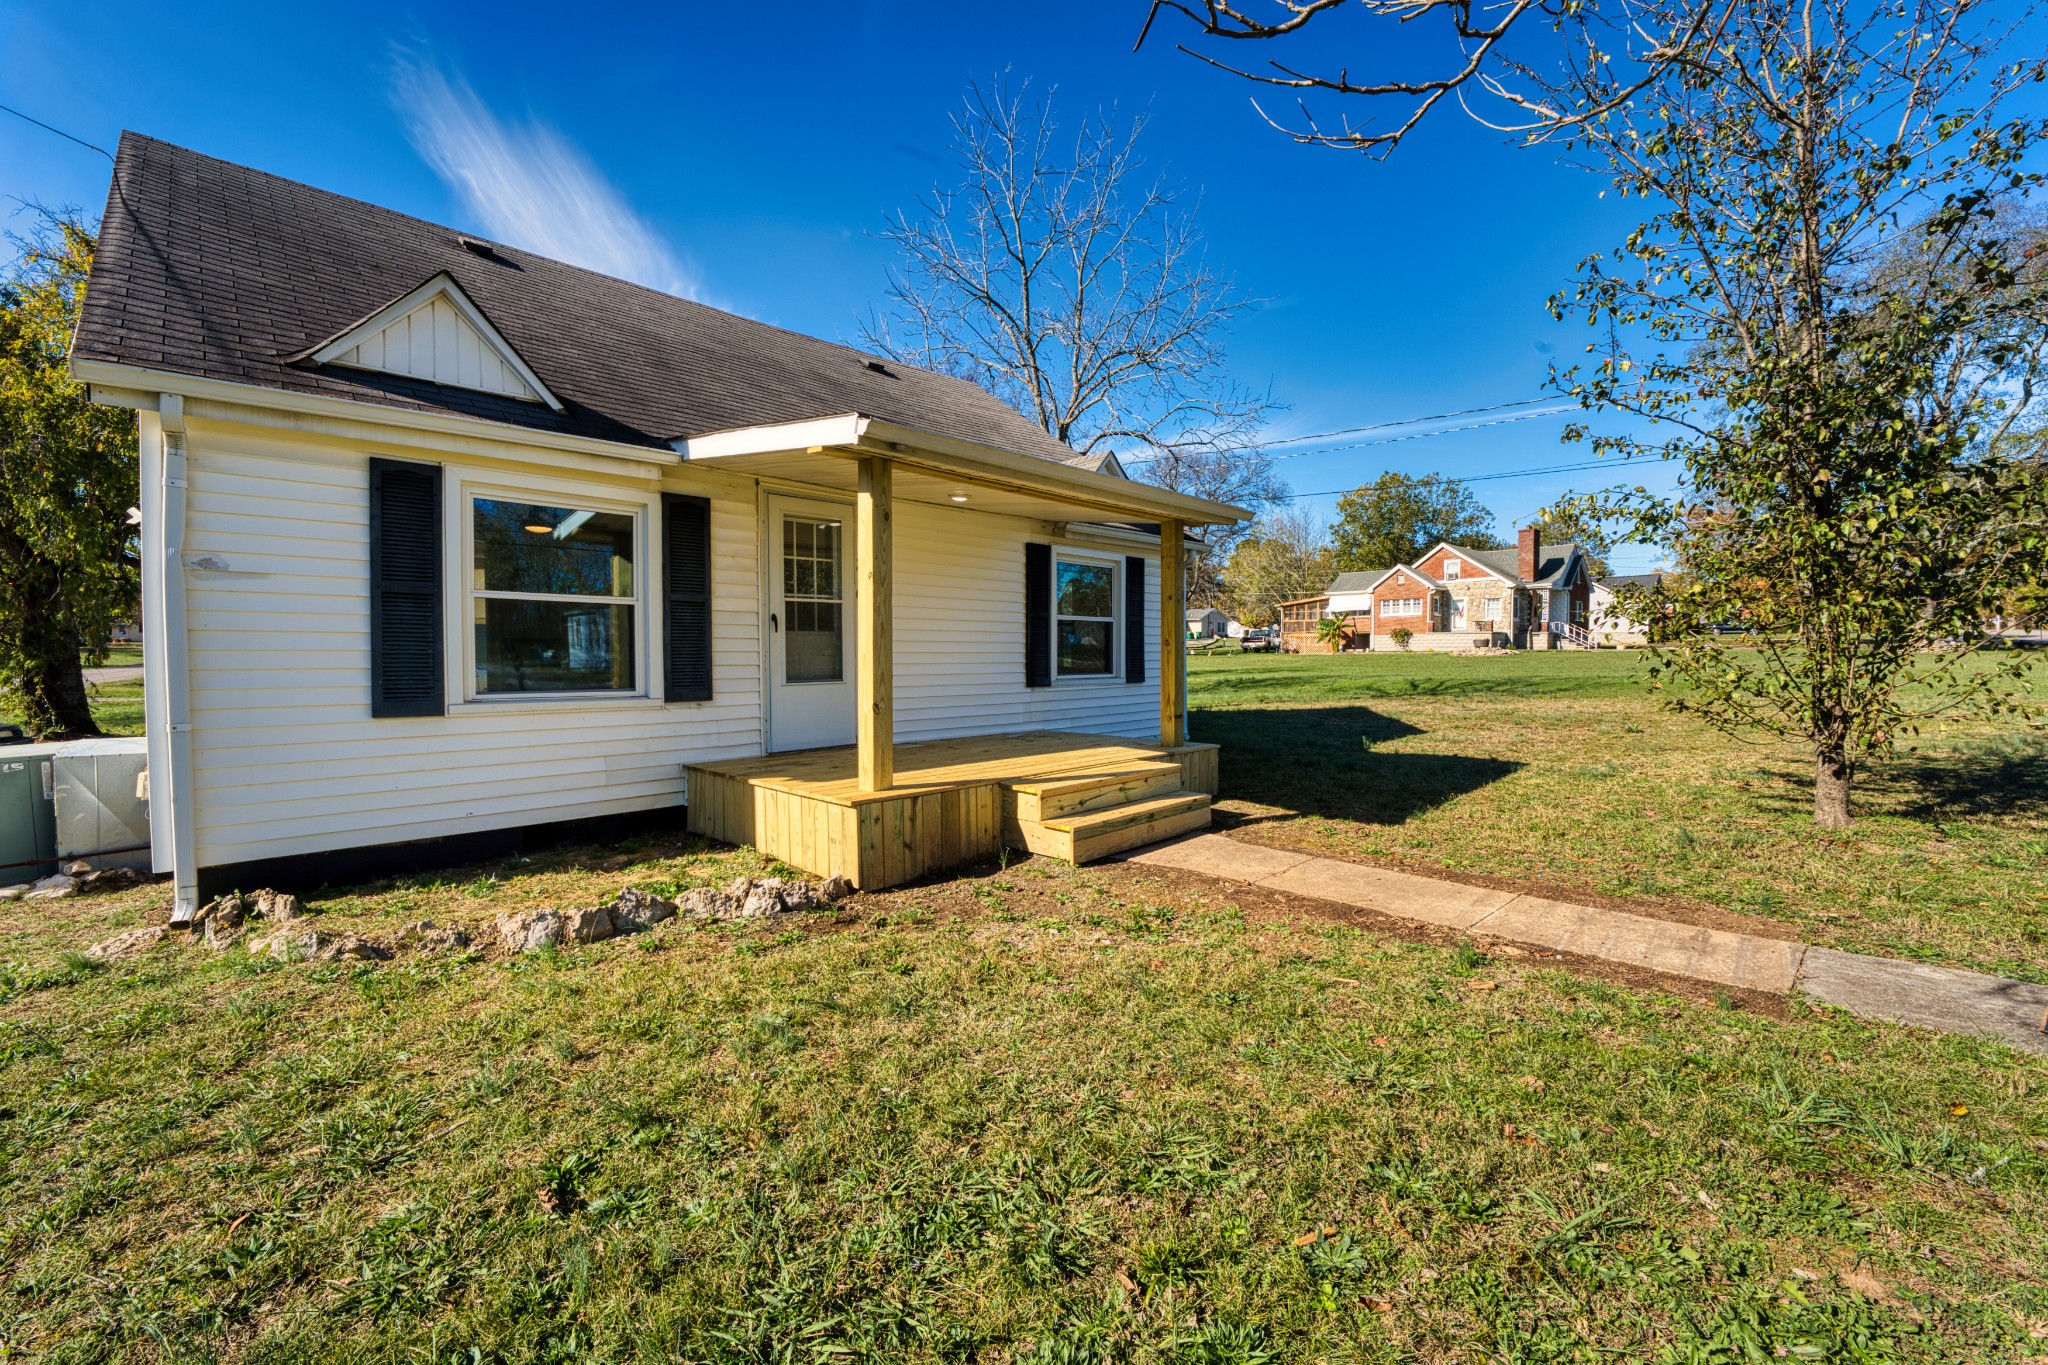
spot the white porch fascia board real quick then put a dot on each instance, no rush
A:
(129, 386)
(852, 433)
(441, 285)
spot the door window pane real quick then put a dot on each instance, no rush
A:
(814, 617)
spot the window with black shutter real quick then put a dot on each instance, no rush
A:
(686, 623)
(1037, 615)
(1134, 619)
(405, 589)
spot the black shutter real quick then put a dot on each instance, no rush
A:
(1037, 615)
(686, 623)
(1134, 619)
(405, 589)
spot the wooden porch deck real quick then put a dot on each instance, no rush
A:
(955, 801)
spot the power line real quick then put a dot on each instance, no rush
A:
(1379, 426)
(1505, 474)
(52, 128)
(1422, 435)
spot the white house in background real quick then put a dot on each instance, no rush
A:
(1208, 623)
(445, 542)
(1607, 622)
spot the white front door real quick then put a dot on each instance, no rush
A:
(1457, 613)
(810, 624)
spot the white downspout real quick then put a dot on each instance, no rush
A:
(177, 682)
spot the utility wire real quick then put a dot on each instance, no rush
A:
(1505, 474)
(52, 128)
(1375, 426)
(1421, 435)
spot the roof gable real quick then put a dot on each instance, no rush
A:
(437, 334)
(1477, 558)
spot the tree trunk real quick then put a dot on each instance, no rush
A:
(64, 685)
(1831, 788)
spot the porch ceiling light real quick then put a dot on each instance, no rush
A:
(959, 495)
(536, 523)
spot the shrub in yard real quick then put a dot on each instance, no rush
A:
(1401, 635)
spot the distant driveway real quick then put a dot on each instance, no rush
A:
(113, 675)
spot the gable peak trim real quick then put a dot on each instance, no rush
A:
(444, 288)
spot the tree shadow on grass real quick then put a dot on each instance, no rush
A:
(1326, 761)
(1998, 775)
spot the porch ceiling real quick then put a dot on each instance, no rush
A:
(942, 472)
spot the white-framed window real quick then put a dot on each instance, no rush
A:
(1452, 567)
(1086, 598)
(553, 596)
(1401, 606)
(1489, 610)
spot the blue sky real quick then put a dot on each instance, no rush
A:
(745, 154)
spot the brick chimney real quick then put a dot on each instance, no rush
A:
(1531, 554)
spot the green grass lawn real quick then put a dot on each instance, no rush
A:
(1033, 1114)
(1560, 771)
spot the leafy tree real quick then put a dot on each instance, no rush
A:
(1840, 387)
(1285, 557)
(1061, 278)
(1578, 519)
(1853, 394)
(68, 565)
(1397, 518)
(1332, 631)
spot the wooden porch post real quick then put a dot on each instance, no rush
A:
(875, 671)
(1173, 653)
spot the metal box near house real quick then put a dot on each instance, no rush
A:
(102, 810)
(28, 821)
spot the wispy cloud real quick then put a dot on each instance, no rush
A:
(527, 186)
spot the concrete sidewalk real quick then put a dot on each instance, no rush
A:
(1942, 998)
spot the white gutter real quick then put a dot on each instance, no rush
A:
(176, 679)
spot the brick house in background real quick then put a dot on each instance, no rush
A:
(1533, 596)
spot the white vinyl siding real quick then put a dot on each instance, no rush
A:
(960, 636)
(287, 759)
(286, 756)
(435, 342)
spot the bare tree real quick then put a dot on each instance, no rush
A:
(1487, 69)
(1286, 556)
(1063, 279)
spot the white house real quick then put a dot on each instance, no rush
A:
(1609, 624)
(1210, 623)
(445, 542)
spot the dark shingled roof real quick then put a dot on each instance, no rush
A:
(1508, 564)
(211, 269)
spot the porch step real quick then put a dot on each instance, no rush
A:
(1050, 798)
(1096, 834)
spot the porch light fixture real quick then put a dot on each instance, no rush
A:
(959, 495)
(536, 523)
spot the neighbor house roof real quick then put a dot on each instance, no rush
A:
(1364, 580)
(1507, 562)
(1633, 580)
(214, 270)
